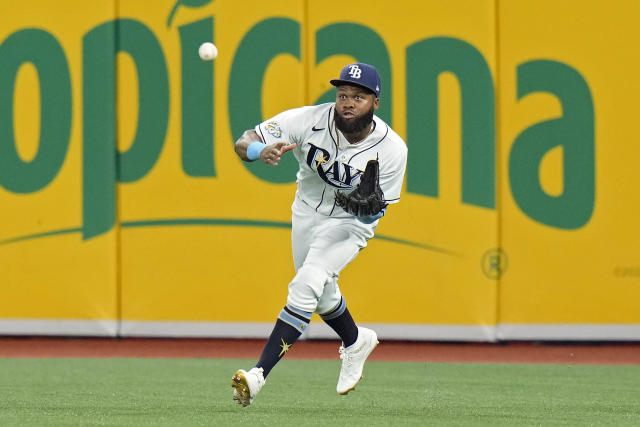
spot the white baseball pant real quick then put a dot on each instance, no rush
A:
(322, 247)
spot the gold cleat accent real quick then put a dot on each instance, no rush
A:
(344, 393)
(353, 358)
(241, 393)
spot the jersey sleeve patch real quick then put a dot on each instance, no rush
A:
(274, 129)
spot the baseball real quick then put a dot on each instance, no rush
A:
(208, 51)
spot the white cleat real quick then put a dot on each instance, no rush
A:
(246, 385)
(353, 358)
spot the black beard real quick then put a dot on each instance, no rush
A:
(356, 125)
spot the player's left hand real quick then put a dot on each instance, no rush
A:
(272, 154)
(367, 200)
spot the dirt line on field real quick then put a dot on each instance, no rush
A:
(516, 352)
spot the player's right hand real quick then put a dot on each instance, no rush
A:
(272, 154)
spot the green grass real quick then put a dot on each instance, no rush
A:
(179, 392)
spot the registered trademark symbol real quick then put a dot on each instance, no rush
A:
(494, 263)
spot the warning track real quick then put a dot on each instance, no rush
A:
(514, 352)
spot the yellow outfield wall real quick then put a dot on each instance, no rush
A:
(125, 211)
(47, 270)
(568, 109)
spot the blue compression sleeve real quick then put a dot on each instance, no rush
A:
(254, 149)
(371, 218)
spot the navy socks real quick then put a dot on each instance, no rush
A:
(341, 321)
(290, 325)
(288, 328)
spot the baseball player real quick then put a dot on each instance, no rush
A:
(352, 166)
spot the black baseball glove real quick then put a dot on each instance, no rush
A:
(368, 198)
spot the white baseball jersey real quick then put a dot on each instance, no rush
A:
(328, 162)
(324, 237)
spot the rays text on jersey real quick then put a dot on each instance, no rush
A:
(336, 174)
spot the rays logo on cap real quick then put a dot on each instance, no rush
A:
(355, 71)
(359, 74)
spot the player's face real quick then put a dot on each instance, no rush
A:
(354, 108)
